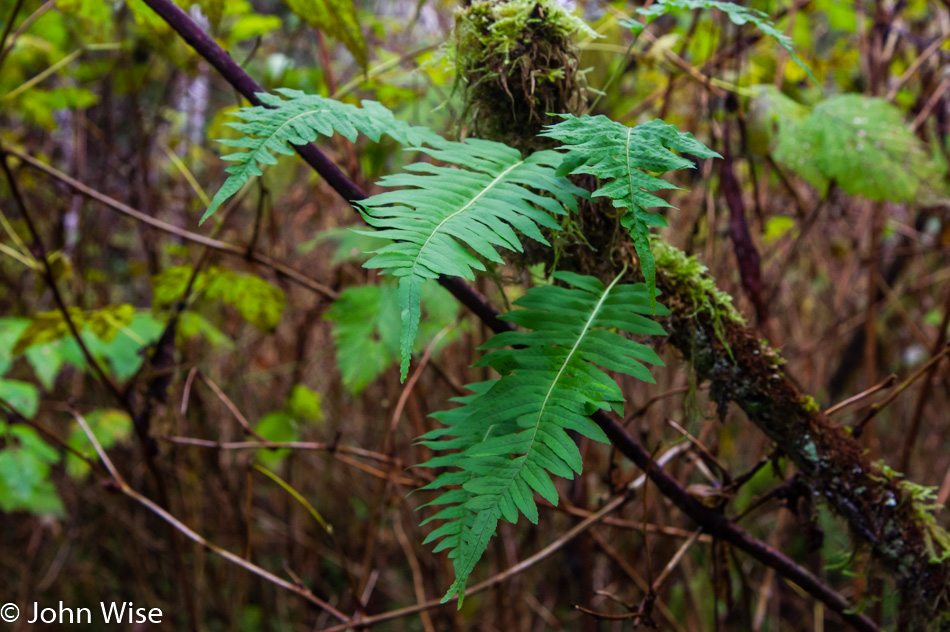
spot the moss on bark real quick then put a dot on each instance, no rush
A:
(516, 62)
(891, 515)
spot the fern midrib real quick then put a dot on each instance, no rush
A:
(633, 208)
(485, 190)
(570, 354)
(547, 396)
(470, 564)
(277, 131)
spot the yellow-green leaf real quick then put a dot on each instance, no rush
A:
(305, 404)
(105, 323)
(46, 327)
(336, 18)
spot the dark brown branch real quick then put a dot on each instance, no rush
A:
(50, 280)
(719, 526)
(8, 26)
(348, 190)
(242, 82)
(747, 256)
(743, 369)
(712, 522)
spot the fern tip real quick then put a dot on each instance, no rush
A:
(208, 213)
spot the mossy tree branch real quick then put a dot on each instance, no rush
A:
(883, 511)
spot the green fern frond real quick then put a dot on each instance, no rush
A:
(628, 161)
(512, 433)
(736, 13)
(297, 120)
(483, 202)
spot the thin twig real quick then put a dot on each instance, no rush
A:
(707, 455)
(675, 560)
(214, 244)
(8, 25)
(632, 573)
(915, 66)
(25, 24)
(938, 93)
(858, 428)
(911, 436)
(639, 412)
(25, 86)
(186, 389)
(613, 617)
(241, 419)
(192, 535)
(374, 72)
(292, 445)
(50, 436)
(887, 382)
(416, 568)
(50, 280)
(621, 523)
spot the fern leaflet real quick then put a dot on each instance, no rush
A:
(299, 119)
(482, 202)
(627, 159)
(738, 15)
(512, 432)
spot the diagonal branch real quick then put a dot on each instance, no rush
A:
(881, 509)
(186, 235)
(50, 279)
(348, 190)
(713, 522)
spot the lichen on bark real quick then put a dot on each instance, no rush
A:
(891, 515)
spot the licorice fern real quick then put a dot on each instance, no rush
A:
(299, 119)
(448, 217)
(626, 159)
(483, 201)
(512, 432)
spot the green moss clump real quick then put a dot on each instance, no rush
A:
(691, 282)
(923, 500)
(809, 404)
(691, 276)
(517, 62)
